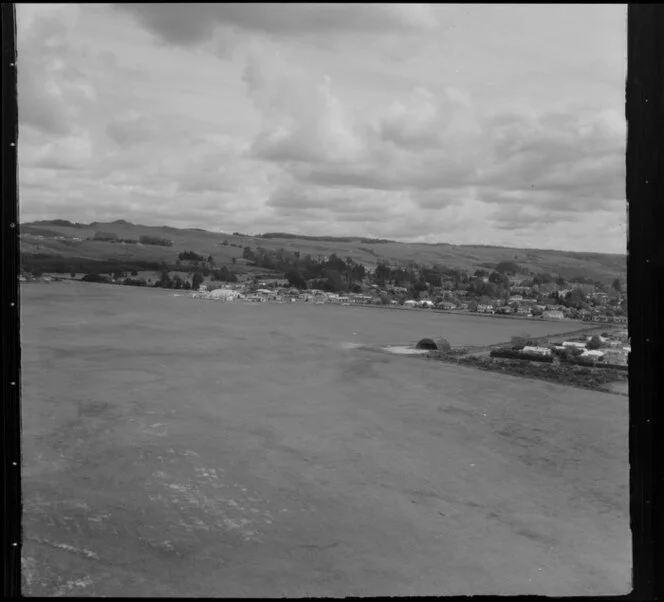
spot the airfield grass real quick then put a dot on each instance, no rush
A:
(180, 447)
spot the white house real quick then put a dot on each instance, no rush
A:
(537, 350)
(224, 294)
(553, 315)
(593, 353)
(447, 305)
(574, 344)
(410, 303)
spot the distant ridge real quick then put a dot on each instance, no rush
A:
(269, 235)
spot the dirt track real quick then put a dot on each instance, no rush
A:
(216, 450)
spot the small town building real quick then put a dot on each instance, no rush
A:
(224, 294)
(574, 345)
(447, 305)
(537, 350)
(593, 353)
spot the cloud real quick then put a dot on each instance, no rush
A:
(380, 120)
(47, 87)
(428, 121)
(193, 24)
(72, 152)
(131, 128)
(302, 120)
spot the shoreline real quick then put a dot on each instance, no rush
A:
(195, 295)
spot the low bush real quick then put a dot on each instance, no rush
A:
(96, 278)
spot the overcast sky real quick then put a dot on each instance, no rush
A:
(491, 124)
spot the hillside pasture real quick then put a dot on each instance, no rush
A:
(603, 267)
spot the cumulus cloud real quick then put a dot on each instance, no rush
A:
(302, 120)
(437, 147)
(429, 121)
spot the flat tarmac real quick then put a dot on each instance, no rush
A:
(173, 447)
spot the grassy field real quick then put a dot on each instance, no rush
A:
(179, 447)
(604, 267)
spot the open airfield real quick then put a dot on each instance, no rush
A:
(178, 447)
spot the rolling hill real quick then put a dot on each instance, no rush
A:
(70, 240)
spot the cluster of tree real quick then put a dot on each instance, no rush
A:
(491, 290)
(222, 274)
(155, 240)
(295, 279)
(595, 342)
(543, 278)
(575, 299)
(191, 256)
(176, 282)
(334, 274)
(96, 278)
(397, 276)
(507, 267)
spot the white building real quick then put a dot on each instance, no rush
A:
(224, 294)
(537, 350)
(593, 353)
(574, 344)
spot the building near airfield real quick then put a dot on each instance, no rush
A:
(224, 294)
